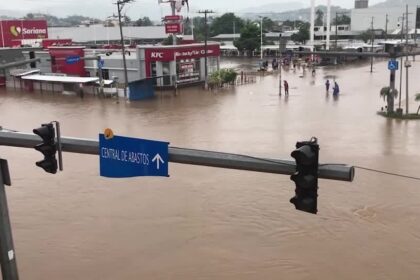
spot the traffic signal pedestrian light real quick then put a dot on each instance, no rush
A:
(306, 176)
(48, 148)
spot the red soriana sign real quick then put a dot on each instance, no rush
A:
(185, 52)
(13, 31)
(173, 28)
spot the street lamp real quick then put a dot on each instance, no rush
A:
(120, 5)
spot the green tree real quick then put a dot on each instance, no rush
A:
(225, 24)
(319, 21)
(303, 35)
(341, 19)
(293, 23)
(199, 28)
(268, 24)
(365, 36)
(126, 20)
(145, 21)
(389, 94)
(249, 39)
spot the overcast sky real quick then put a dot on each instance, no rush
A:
(104, 8)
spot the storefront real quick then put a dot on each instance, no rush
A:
(181, 64)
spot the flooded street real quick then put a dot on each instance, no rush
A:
(210, 223)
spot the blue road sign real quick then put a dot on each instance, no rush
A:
(72, 59)
(122, 157)
(393, 65)
(101, 63)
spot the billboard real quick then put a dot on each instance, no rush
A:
(12, 32)
(173, 28)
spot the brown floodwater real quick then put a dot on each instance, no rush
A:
(209, 223)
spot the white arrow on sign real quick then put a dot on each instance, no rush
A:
(158, 160)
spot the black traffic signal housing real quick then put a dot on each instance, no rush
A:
(48, 148)
(306, 176)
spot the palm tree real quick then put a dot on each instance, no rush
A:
(418, 99)
(389, 94)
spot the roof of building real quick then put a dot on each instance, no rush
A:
(176, 46)
(60, 79)
(101, 33)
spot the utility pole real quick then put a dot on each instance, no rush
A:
(372, 37)
(261, 37)
(120, 5)
(173, 13)
(386, 27)
(205, 12)
(401, 61)
(407, 63)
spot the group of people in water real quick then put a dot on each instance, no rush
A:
(275, 64)
(336, 88)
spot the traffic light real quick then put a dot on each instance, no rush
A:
(48, 148)
(306, 176)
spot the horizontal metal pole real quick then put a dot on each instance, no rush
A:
(19, 63)
(339, 172)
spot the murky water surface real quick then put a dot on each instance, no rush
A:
(208, 223)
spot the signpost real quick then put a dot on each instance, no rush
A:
(72, 59)
(122, 157)
(392, 64)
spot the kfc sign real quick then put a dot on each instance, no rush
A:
(156, 55)
(184, 52)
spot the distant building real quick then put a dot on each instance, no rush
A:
(361, 18)
(361, 4)
(100, 34)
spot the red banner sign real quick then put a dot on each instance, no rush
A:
(173, 28)
(173, 18)
(12, 32)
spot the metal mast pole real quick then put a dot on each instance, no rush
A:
(401, 64)
(386, 27)
(173, 13)
(7, 251)
(371, 49)
(406, 60)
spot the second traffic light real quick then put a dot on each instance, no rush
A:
(48, 148)
(306, 176)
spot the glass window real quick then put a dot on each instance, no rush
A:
(166, 72)
(188, 70)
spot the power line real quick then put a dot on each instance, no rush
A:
(388, 173)
(377, 171)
